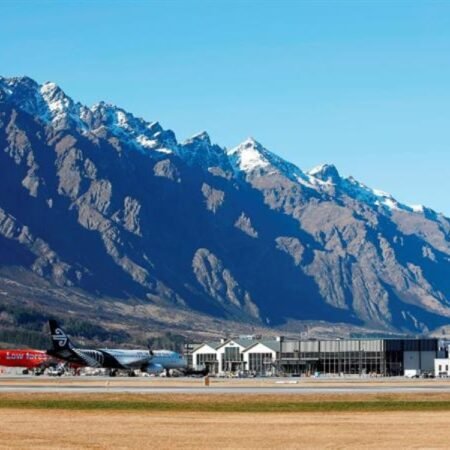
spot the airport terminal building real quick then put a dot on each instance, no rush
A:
(254, 355)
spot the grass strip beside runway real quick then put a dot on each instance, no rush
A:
(244, 404)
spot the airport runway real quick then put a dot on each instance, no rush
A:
(218, 390)
(106, 385)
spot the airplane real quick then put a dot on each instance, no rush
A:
(27, 359)
(150, 361)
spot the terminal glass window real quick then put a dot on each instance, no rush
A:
(260, 363)
(203, 358)
(351, 357)
(232, 354)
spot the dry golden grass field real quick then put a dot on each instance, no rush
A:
(188, 421)
(198, 430)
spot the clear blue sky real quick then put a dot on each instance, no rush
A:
(364, 85)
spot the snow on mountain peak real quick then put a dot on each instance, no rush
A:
(418, 208)
(111, 116)
(326, 173)
(24, 92)
(49, 88)
(198, 150)
(249, 155)
(200, 141)
(251, 142)
(58, 103)
(134, 130)
(203, 136)
(373, 197)
(22, 82)
(49, 103)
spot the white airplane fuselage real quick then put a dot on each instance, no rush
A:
(114, 359)
(145, 360)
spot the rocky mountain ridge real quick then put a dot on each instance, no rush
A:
(98, 200)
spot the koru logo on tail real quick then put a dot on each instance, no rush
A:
(60, 337)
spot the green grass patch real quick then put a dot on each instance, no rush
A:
(218, 406)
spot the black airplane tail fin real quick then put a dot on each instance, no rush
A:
(60, 340)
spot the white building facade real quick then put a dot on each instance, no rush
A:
(365, 357)
(441, 367)
(237, 356)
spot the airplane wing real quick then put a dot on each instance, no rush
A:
(136, 363)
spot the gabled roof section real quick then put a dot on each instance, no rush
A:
(212, 345)
(244, 343)
(271, 345)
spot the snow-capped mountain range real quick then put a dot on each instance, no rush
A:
(49, 102)
(348, 252)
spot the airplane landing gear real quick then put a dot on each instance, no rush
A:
(112, 372)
